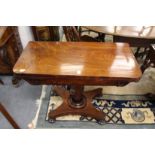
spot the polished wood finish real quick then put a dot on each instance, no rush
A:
(77, 64)
(136, 36)
(5, 33)
(89, 63)
(10, 48)
(77, 104)
(8, 117)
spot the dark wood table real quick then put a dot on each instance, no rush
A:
(136, 36)
(141, 32)
(77, 64)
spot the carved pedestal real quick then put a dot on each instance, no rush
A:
(77, 102)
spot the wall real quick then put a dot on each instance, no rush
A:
(26, 34)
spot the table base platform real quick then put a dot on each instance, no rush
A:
(77, 102)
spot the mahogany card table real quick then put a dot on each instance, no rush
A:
(77, 64)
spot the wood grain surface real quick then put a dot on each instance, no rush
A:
(78, 61)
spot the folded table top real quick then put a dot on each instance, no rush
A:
(78, 59)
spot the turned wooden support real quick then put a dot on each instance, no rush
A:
(77, 94)
(77, 99)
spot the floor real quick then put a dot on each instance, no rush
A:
(20, 102)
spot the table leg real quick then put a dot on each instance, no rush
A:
(15, 81)
(77, 102)
(8, 117)
(1, 82)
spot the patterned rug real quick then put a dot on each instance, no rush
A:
(119, 109)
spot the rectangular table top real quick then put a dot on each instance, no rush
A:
(143, 32)
(78, 59)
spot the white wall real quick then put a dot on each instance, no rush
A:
(61, 33)
(26, 34)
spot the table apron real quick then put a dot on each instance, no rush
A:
(61, 80)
